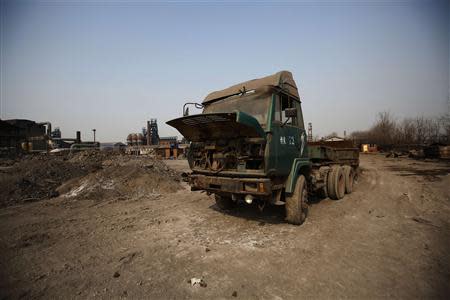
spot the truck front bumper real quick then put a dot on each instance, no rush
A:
(244, 186)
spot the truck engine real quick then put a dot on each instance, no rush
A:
(228, 155)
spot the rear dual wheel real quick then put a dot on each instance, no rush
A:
(340, 181)
(297, 204)
(349, 175)
(336, 183)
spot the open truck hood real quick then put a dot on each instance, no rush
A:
(212, 126)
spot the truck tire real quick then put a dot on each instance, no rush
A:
(296, 205)
(349, 176)
(336, 183)
(224, 203)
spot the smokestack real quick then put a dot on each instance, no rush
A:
(78, 137)
(149, 142)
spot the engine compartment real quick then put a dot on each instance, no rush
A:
(240, 154)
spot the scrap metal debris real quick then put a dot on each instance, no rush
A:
(197, 282)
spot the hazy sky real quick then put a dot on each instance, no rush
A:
(114, 65)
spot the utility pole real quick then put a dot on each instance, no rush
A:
(94, 130)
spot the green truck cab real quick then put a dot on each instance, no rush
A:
(249, 145)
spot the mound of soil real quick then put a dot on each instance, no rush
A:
(85, 174)
(125, 178)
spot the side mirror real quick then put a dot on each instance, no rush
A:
(290, 113)
(186, 108)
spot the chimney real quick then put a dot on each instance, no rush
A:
(78, 141)
(149, 142)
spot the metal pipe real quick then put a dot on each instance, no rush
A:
(84, 146)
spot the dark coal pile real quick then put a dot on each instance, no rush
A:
(36, 177)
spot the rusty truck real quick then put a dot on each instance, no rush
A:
(249, 145)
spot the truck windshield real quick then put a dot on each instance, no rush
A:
(256, 105)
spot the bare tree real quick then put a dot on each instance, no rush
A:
(444, 122)
(420, 130)
(420, 125)
(383, 131)
(407, 131)
(432, 130)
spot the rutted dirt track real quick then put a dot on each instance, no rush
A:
(389, 238)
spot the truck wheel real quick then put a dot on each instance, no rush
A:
(296, 204)
(336, 183)
(349, 176)
(224, 203)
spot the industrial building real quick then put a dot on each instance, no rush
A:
(148, 141)
(18, 136)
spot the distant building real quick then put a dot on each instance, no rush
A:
(168, 147)
(112, 146)
(19, 135)
(56, 134)
(119, 146)
(168, 140)
(10, 138)
(334, 139)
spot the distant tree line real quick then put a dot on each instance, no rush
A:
(387, 130)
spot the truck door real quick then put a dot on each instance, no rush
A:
(289, 134)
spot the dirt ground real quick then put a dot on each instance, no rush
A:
(389, 238)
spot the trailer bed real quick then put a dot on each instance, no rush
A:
(336, 152)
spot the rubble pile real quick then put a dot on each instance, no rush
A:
(124, 177)
(88, 174)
